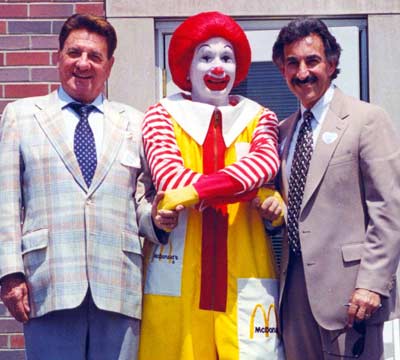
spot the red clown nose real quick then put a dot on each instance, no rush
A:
(217, 71)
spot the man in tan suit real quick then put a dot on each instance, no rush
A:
(340, 179)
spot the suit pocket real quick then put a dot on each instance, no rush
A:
(342, 159)
(352, 252)
(129, 155)
(34, 246)
(132, 260)
(131, 243)
(35, 240)
(130, 159)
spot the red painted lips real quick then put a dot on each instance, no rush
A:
(216, 84)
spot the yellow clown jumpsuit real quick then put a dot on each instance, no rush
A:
(175, 323)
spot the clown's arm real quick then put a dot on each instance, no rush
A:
(236, 182)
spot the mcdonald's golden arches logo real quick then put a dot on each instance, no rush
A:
(266, 329)
(170, 257)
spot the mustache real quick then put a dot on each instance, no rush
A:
(308, 80)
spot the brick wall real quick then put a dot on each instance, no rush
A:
(28, 45)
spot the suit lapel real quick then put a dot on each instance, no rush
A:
(115, 127)
(333, 127)
(286, 133)
(50, 120)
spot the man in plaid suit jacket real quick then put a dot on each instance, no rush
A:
(70, 255)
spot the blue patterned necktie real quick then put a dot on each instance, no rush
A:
(84, 144)
(298, 176)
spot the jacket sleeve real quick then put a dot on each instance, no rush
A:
(144, 190)
(380, 175)
(11, 174)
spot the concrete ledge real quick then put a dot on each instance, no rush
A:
(156, 8)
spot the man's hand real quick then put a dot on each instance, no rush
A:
(362, 305)
(269, 204)
(269, 209)
(14, 293)
(164, 219)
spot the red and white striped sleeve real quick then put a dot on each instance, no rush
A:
(168, 171)
(261, 165)
(162, 151)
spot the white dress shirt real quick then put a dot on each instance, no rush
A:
(71, 119)
(319, 111)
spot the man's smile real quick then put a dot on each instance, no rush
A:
(82, 77)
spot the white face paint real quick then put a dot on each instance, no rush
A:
(212, 72)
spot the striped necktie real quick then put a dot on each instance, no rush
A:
(298, 176)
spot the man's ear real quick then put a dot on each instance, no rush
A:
(331, 67)
(110, 65)
(282, 69)
(112, 61)
(58, 57)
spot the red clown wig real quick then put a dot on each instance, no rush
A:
(198, 29)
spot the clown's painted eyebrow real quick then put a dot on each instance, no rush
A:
(204, 46)
(209, 46)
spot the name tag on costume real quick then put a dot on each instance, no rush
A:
(164, 270)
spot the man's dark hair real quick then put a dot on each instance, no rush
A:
(91, 23)
(300, 28)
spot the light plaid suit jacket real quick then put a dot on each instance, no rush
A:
(64, 236)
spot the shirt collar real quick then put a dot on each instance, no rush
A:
(322, 104)
(194, 117)
(65, 99)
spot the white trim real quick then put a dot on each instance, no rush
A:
(396, 338)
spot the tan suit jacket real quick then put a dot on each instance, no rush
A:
(64, 236)
(349, 220)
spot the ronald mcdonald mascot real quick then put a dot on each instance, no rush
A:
(211, 291)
